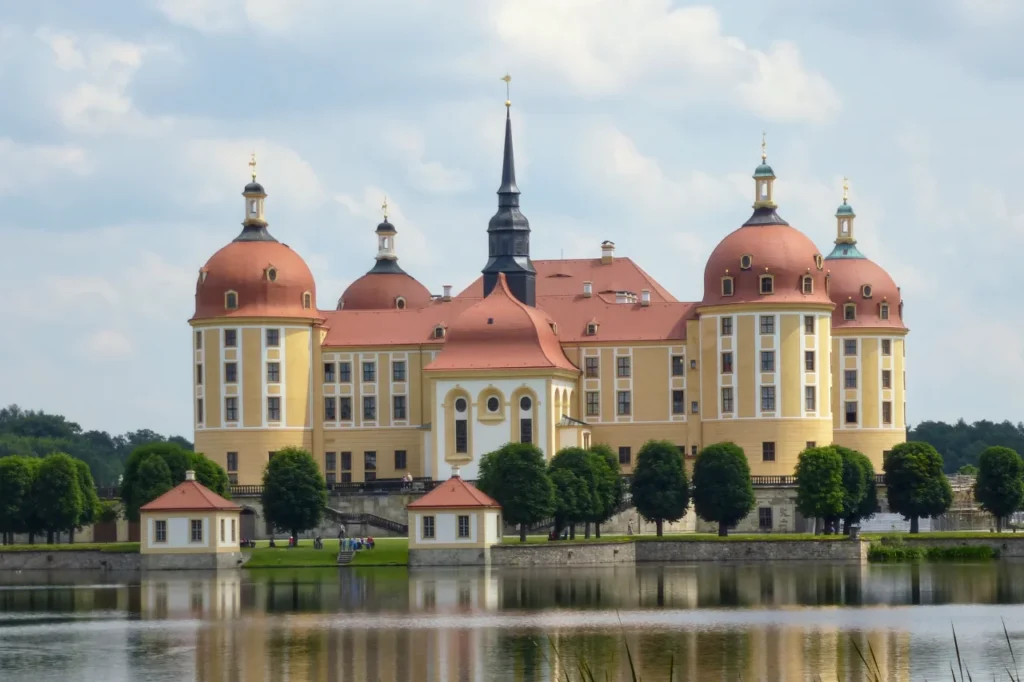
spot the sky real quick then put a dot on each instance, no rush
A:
(126, 128)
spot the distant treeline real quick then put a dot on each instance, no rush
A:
(34, 433)
(961, 443)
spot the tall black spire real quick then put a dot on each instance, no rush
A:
(508, 233)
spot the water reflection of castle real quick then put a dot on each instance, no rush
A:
(450, 626)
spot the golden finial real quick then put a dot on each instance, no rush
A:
(846, 189)
(384, 207)
(252, 166)
(508, 99)
(764, 147)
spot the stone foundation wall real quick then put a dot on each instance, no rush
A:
(88, 560)
(752, 551)
(476, 556)
(564, 554)
(192, 562)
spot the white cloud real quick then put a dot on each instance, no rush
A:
(27, 165)
(223, 16)
(108, 344)
(411, 244)
(409, 147)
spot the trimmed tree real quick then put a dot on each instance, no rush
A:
(16, 474)
(573, 499)
(615, 486)
(722, 490)
(294, 491)
(819, 478)
(590, 469)
(660, 489)
(914, 482)
(868, 505)
(90, 500)
(999, 488)
(151, 480)
(178, 461)
(516, 477)
(56, 494)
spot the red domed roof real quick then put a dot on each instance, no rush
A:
(380, 291)
(849, 276)
(774, 249)
(500, 332)
(269, 279)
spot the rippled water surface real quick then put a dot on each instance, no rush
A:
(712, 622)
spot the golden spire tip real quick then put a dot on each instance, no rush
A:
(384, 207)
(764, 147)
(252, 165)
(846, 189)
(508, 98)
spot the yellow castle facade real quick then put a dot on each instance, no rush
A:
(788, 348)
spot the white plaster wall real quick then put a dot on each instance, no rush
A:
(491, 530)
(446, 528)
(179, 533)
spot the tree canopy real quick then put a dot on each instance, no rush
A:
(864, 505)
(819, 478)
(722, 490)
(144, 484)
(515, 475)
(999, 488)
(660, 489)
(294, 491)
(962, 443)
(915, 483)
(56, 494)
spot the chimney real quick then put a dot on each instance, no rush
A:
(447, 295)
(455, 471)
(588, 289)
(645, 297)
(190, 475)
(607, 252)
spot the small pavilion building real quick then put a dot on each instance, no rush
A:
(455, 524)
(190, 527)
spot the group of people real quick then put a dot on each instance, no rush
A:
(347, 543)
(407, 481)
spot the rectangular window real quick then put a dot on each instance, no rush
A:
(345, 372)
(695, 407)
(767, 284)
(764, 518)
(767, 398)
(230, 372)
(223, 534)
(727, 399)
(809, 360)
(678, 402)
(199, 340)
(197, 530)
(330, 408)
(767, 324)
(851, 411)
(370, 476)
(231, 409)
(593, 403)
(273, 372)
(345, 409)
(346, 476)
(526, 430)
(461, 436)
(726, 326)
(233, 531)
(271, 455)
(678, 366)
(886, 347)
(398, 405)
(328, 372)
(886, 412)
(808, 326)
(273, 409)
(331, 477)
(850, 311)
(230, 338)
(810, 398)
(369, 408)
(625, 405)
(693, 451)
(811, 444)
(199, 410)
(768, 452)
(400, 460)
(849, 346)
(625, 456)
(199, 374)
(886, 378)
(622, 366)
(370, 460)
(591, 367)
(273, 338)
(398, 370)
(330, 461)
(850, 378)
(428, 526)
(346, 461)
(463, 526)
(767, 361)
(369, 372)
(160, 531)
(232, 461)
(727, 363)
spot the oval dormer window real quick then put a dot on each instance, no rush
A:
(746, 261)
(400, 303)
(493, 404)
(525, 404)
(819, 262)
(272, 274)
(460, 405)
(866, 291)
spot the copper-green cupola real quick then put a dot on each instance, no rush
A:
(846, 243)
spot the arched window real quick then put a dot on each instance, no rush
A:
(727, 286)
(307, 300)
(850, 311)
(526, 419)
(883, 311)
(461, 425)
(439, 332)
(808, 284)
(767, 284)
(592, 329)
(231, 300)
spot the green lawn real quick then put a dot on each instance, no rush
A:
(387, 552)
(117, 547)
(687, 537)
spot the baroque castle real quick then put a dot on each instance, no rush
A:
(787, 349)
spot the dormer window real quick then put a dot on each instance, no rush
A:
(850, 311)
(202, 275)
(865, 291)
(554, 328)
(400, 302)
(767, 284)
(746, 261)
(819, 262)
(883, 311)
(307, 300)
(272, 274)
(439, 331)
(727, 286)
(231, 300)
(592, 329)
(253, 208)
(808, 284)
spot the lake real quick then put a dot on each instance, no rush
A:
(716, 622)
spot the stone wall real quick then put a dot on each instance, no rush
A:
(564, 554)
(752, 550)
(192, 562)
(87, 560)
(477, 556)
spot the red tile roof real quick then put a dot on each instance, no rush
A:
(190, 496)
(454, 493)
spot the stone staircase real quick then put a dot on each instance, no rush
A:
(345, 556)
